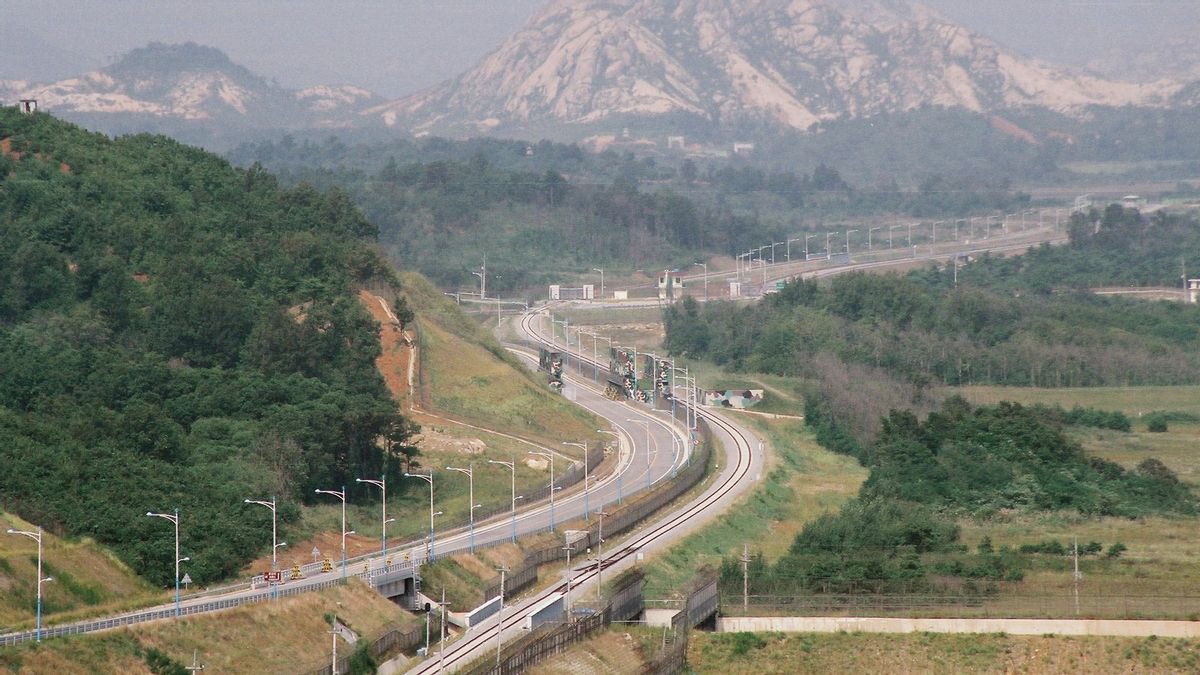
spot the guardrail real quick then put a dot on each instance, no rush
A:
(293, 588)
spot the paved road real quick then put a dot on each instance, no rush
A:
(740, 466)
(639, 464)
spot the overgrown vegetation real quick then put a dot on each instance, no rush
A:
(177, 333)
(962, 460)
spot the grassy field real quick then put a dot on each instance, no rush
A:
(802, 482)
(609, 651)
(1176, 447)
(760, 653)
(88, 579)
(291, 637)
(1133, 401)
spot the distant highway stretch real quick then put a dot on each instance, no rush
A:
(740, 466)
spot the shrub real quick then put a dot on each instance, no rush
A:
(1156, 423)
(1115, 550)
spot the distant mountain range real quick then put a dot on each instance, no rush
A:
(786, 63)
(170, 85)
(582, 65)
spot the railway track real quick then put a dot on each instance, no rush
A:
(736, 473)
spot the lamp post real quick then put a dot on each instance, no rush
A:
(910, 227)
(342, 496)
(788, 248)
(645, 423)
(427, 477)
(274, 545)
(806, 238)
(618, 469)
(597, 269)
(778, 243)
(586, 508)
(549, 455)
(870, 233)
(175, 521)
(482, 274)
(470, 473)
(37, 536)
(512, 466)
(848, 233)
(382, 485)
(890, 236)
(828, 253)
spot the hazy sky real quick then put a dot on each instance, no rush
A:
(400, 46)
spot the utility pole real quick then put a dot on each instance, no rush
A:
(500, 613)
(1076, 576)
(196, 665)
(567, 547)
(600, 556)
(333, 633)
(745, 577)
(441, 636)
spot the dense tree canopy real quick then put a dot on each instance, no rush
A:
(175, 332)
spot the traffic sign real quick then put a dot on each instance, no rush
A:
(273, 577)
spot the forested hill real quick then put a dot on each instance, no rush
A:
(176, 333)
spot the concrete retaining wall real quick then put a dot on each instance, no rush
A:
(823, 624)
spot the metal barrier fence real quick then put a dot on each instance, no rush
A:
(389, 642)
(550, 639)
(621, 520)
(1005, 605)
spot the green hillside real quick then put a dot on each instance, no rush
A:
(176, 333)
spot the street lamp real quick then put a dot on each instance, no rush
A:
(470, 473)
(274, 546)
(848, 233)
(427, 477)
(174, 520)
(806, 238)
(597, 269)
(551, 456)
(37, 536)
(870, 232)
(512, 466)
(618, 469)
(788, 248)
(828, 253)
(586, 508)
(910, 227)
(342, 496)
(382, 485)
(778, 243)
(890, 241)
(645, 423)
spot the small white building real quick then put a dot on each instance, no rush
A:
(1193, 294)
(585, 292)
(671, 286)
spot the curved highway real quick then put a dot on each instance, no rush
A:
(739, 467)
(649, 451)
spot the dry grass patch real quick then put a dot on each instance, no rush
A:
(610, 651)
(936, 653)
(287, 636)
(1132, 401)
(89, 580)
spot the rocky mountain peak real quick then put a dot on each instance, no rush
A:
(789, 63)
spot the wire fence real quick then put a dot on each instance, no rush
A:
(1056, 605)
